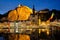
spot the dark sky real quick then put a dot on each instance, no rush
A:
(6, 5)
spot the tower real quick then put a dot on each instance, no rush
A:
(33, 11)
(33, 16)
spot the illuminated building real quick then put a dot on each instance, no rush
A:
(24, 17)
(33, 17)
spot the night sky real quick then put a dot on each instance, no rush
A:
(6, 5)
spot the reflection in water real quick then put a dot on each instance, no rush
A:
(35, 35)
(1, 38)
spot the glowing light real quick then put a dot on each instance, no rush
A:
(43, 24)
(47, 32)
(51, 16)
(24, 37)
(16, 27)
(39, 21)
(22, 11)
(12, 15)
(43, 30)
(39, 30)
